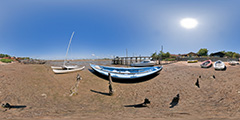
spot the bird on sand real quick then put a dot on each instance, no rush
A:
(200, 76)
(197, 83)
(175, 101)
(7, 105)
(213, 76)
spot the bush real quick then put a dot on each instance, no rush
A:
(169, 59)
(6, 60)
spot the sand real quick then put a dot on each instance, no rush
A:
(46, 95)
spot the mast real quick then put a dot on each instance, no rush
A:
(68, 49)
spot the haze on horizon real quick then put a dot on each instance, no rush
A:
(42, 29)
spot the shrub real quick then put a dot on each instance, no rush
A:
(6, 60)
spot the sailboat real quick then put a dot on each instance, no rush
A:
(67, 68)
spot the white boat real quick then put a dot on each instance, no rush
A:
(67, 68)
(64, 67)
(126, 73)
(144, 63)
(61, 71)
(233, 63)
(219, 65)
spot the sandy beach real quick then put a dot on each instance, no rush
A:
(41, 94)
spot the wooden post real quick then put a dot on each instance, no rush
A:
(110, 84)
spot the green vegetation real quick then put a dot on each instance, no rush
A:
(4, 55)
(165, 56)
(6, 60)
(203, 52)
(230, 54)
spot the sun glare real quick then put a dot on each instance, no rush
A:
(189, 23)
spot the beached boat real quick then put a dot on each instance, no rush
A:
(67, 68)
(192, 61)
(233, 63)
(144, 63)
(61, 71)
(219, 65)
(126, 73)
(206, 64)
(64, 67)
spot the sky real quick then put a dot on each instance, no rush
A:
(106, 28)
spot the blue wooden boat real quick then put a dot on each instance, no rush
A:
(126, 73)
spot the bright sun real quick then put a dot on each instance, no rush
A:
(189, 23)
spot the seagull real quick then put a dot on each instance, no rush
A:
(175, 100)
(214, 76)
(197, 84)
(7, 105)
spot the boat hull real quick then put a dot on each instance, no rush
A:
(126, 73)
(206, 64)
(219, 65)
(61, 71)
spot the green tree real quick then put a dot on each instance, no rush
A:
(236, 55)
(203, 52)
(155, 56)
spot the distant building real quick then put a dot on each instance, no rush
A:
(191, 54)
(217, 54)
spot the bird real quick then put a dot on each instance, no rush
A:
(197, 84)
(7, 105)
(200, 76)
(213, 76)
(175, 101)
(146, 101)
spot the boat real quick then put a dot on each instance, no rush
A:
(126, 73)
(67, 70)
(206, 64)
(219, 65)
(144, 63)
(64, 67)
(233, 62)
(192, 61)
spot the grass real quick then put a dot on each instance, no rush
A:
(6, 60)
(169, 59)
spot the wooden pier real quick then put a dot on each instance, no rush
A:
(129, 60)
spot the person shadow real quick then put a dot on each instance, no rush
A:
(175, 101)
(102, 93)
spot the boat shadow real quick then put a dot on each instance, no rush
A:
(137, 80)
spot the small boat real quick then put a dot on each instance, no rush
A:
(64, 67)
(233, 63)
(206, 64)
(219, 65)
(67, 70)
(192, 61)
(144, 63)
(126, 73)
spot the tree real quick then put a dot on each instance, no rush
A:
(203, 52)
(155, 56)
(236, 55)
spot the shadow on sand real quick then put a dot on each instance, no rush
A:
(142, 105)
(138, 80)
(100, 92)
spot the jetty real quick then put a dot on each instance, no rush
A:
(129, 60)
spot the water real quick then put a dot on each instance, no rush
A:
(82, 63)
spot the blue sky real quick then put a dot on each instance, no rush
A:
(42, 28)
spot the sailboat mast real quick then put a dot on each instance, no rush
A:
(68, 49)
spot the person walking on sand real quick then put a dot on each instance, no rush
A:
(110, 84)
